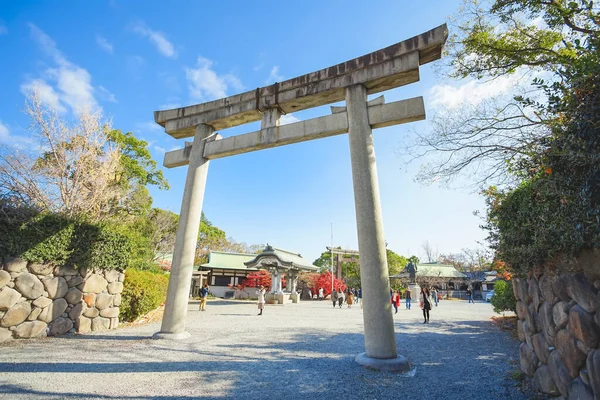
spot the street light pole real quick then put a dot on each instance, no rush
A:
(331, 250)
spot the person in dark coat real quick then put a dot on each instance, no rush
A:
(425, 304)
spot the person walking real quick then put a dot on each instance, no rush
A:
(350, 298)
(203, 297)
(320, 293)
(470, 295)
(395, 300)
(408, 295)
(334, 298)
(434, 295)
(340, 297)
(359, 297)
(425, 304)
(261, 298)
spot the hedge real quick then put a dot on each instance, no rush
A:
(55, 239)
(143, 291)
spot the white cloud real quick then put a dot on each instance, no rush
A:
(104, 44)
(47, 94)
(149, 126)
(106, 95)
(158, 39)
(169, 106)
(4, 133)
(158, 149)
(472, 92)
(274, 75)
(65, 83)
(288, 119)
(205, 84)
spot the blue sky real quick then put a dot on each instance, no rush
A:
(132, 58)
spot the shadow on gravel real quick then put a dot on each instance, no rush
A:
(452, 361)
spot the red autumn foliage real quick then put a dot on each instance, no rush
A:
(258, 278)
(323, 280)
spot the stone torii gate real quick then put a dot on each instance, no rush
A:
(353, 80)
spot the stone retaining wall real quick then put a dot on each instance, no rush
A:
(559, 327)
(37, 300)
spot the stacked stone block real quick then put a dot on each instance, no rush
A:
(559, 327)
(39, 300)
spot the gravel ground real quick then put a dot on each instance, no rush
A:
(296, 351)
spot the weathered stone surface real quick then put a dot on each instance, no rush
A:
(35, 313)
(559, 286)
(571, 355)
(546, 320)
(41, 269)
(4, 278)
(117, 300)
(532, 318)
(95, 284)
(583, 347)
(114, 323)
(543, 381)
(111, 275)
(60, 326)
(64, 270)
(593, 369)
(533, 290)
(74, 296)
(540, 346)
(529, 360)
(582, 327)
(582, 291)
(28, 330)
(91, 312)
(111, 312)
(100, 324)
(10, 284)
(560, 314)
(559, 373)
(76, 311)
(115, 288)
(8, 298)
(589, 262)
(90, 299)
(16, 314)
(103, 301)
(75, 281)
(29, 285)
(580, 391)
(83, 325)
(42, 302)
(546, 288)
(521, 285)
(15, 265)
(5, 335)
(56, 287)
(521, 310)
(53, 311)
(121, 277)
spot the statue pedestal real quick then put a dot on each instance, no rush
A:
(415, 291)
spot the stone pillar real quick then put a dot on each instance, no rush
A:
(380, 342)
(173, 323)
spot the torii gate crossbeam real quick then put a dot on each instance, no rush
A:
(353, 80)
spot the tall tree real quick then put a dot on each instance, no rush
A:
(542, 43)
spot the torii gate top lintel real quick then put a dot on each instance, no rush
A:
(381, 70)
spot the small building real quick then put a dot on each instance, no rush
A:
(230, 269)
(443, 276)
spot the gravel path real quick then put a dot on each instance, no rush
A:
(296, 351)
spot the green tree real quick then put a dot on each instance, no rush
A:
(396, 262)
(503, 298)
(546, 44)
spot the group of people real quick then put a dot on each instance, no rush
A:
(350, 296)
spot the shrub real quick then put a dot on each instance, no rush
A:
(503, 298)
(143, 291)
(59, 240)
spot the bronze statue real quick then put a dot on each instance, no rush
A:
(412, 271)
